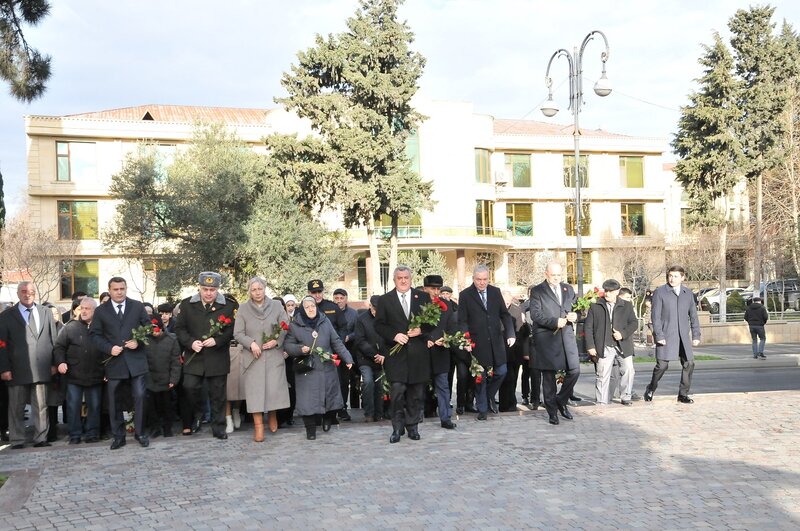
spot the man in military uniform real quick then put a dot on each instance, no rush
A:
(204, 327)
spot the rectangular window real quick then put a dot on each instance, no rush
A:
(569, 219)
(361, 270)
(75, 161)
(572, 267)
(632, 219)
(518, 167)
(77, 220)
(519, 219)
(569, 171)
(482, 167)
(79, 275)
(484, 215)
(631, 172)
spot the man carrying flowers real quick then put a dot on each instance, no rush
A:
(205, 328)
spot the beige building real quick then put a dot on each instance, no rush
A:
(504, 190)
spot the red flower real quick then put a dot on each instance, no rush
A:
(491, 374)
(228, 320)
(154, 321)
(466, 334)
(472, 344)
(478, 379)
(337, 362)
(385, 398)
(2, 344)
(335, 356)
(156, 330)
(221, 319)
(601, 293)
(284, 326)
(596, 289)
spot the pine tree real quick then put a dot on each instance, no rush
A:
(356, 89)
(708, 146)
(24, 68)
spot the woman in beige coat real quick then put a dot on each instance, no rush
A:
(266, 389)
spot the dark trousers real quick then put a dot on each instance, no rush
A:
(508, 389)
(371, 392)
(3, 407)
(487, 389)
(159, 404)
(553, 400)
(190, 404)
(465, 387)
(115, 407)
(686, 374)
(75, 397)
(440, 382)
(406, 404)
(757, 333)
(216, 393)
(531, 383)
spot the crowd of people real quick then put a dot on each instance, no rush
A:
(117, 365)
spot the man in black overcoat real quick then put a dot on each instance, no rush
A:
(112, 333)
(440, 355)
(409, 369)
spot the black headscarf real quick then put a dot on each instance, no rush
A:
(306, 319)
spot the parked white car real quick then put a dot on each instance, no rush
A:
(712, 298)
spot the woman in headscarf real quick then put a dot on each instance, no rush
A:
(311, 339)
(260, 328)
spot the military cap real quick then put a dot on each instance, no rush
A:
(209, 279)
(315, 285)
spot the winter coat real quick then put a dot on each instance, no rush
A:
(194, 322)
(756, 314)
(265, 385)
(673, 316)
(84, 360)
(317, 390)
(163, 359)
(598, 326)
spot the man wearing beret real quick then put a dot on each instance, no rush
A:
(204, 327)
(609, 327)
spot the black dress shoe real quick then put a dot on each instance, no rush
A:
(685, 399)
(221, 435)
(576, 398)
(4, 436)
(18, 446)
(311, 436)
(196, 426)
(481, 416)
(648, 394)
(42, 444)
(525, 402)
(91, 440)
(156, 432)
(116, 444)
(553, 419)
(534, 406)
(74, 440)
(564, 410)
(493, 407)
(52, 437)
(143, 440)
(344, 415)
(448, 425)
(413, 434)
(326, 424)
(395, 437)
(460, 410)
(471, 409)
(168, 431)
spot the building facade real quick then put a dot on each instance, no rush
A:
(503, 191)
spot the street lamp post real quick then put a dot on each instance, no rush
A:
(550, 108)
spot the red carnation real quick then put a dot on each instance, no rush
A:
(221, 319)
(335, 356)
(478, 379)
(337, 362)
(156, 330)
(466, 334)
(228, 320)
(154, 321)
(284, 325)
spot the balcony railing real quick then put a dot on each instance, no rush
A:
(418, 231)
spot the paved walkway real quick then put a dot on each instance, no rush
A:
(727, 461)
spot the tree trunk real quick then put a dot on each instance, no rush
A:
(723, 247)
(393, 248)
(757, 252)
(374, 284)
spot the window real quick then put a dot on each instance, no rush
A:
(75, 161)
(361, 270)
(412, 151)
(519, 168)
(569, 219)
(572, 267)
(519, 219)
(482, 168)
(484, 214)
(407, 227)
(77, 220)
(569, 171)
(79, 275)
(632, 219)
(631, 172)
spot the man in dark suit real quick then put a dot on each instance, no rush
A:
(207, 355)
(483, 313)
(609, 328)
(409, 369)
(440, 356)
(674, 312)
(553, 335)
(27, 334)
(112, 333)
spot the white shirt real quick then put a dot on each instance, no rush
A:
(116, 309)
(408, 300)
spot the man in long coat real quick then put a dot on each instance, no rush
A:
(409, 369)
(553, 335)
(674, 313)
(205, 328)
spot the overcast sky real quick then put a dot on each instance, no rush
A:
(492, 53)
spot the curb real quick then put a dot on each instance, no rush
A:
(774, 362)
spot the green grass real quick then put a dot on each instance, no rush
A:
(2, 480)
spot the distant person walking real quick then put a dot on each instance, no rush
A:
(756, 316)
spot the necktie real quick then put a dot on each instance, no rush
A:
(483, 299)
(208, 307)
(555, 292)
(31, 322)
(119, 312)
(405, 304)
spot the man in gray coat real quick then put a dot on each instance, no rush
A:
(674, 312)
(27, 333)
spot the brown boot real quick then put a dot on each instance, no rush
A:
(273, 421)
(258, 421)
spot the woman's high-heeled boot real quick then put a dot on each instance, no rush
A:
(272, 417)
(258, 422)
